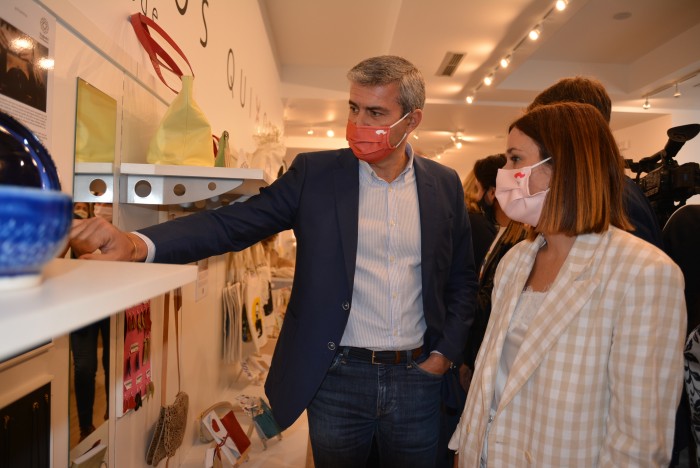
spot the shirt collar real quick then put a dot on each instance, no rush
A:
(367, 171)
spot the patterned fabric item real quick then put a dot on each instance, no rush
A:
(170, 430)
(692, 383)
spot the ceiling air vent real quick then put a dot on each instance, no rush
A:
(450, 63)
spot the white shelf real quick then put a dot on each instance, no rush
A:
(155, 184)
(75, 293)
(92, 178)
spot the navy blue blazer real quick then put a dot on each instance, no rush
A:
(318, 197)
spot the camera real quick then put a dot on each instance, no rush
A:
(667, 184)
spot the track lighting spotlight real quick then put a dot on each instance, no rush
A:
(488, 80)
(330, 133)
(678, 92)
(561, 5)
(646, 104)
(310, 131)
(505, 61)
(469, 99)
(534, 34)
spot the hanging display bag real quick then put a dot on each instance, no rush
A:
(184, 134)
(172, 420)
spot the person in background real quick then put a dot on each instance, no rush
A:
(483, 225)
(384, 283)
(581, 363)
(509, 233)
(681, 243)
(484, 216)
(590, 91)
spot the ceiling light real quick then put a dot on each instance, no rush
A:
(534, 34)
(505, 61)
(458, 144)
(330, 133)
(677, 93)
(561, 5)
(469, 99)
(646, 104)
(310, 132)
(488, 80)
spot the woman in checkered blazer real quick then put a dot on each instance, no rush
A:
(581, 364)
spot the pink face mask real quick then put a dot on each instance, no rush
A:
(513, 194)
(371, 144)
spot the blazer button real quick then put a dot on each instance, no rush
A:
(346, 305)
(331, 346)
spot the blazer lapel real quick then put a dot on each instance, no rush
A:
(494, 345)
(427, 199)
(347, 195)
(570, 291)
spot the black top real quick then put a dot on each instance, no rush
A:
(682, 241)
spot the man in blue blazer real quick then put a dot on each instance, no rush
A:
(384, 284)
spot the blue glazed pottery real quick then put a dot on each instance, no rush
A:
(35, 216)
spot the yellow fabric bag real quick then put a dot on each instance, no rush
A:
(183, 136)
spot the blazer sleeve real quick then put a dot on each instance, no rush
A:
(233, 227)
(646, 366)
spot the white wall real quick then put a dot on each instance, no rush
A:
(94, 41)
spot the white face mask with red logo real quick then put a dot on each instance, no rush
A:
(513, 194)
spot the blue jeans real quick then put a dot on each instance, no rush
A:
(398, 404)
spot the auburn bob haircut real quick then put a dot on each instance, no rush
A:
(585, 191)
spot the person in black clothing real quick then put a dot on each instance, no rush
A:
(485, 217)
(483, 228)
(681, 243)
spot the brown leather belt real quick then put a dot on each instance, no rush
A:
(383, 357)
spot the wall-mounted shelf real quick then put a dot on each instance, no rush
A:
(93, 182)
(154, 184)
(75, 293)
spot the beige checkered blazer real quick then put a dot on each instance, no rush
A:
(598, 377)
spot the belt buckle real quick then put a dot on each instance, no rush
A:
(373, 361)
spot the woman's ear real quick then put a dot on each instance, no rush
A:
(490, 195)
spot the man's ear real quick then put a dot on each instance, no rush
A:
(414, 120)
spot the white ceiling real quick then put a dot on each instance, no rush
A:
(317, 41)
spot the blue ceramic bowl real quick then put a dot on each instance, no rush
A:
(34, 227)
(35, 216)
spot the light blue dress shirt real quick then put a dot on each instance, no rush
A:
(387, 304)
